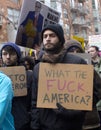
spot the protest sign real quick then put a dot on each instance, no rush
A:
(80, 39)
(34, 16)
(95, 40)
(18, 76)
(68, 84)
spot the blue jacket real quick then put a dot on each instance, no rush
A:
(6, 95)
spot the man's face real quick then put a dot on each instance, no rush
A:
(37, 7)
(27, 65)
(9, 58)
(50, 40)
(93, 52)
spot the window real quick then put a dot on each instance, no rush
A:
(76, 30)
(93, 4)
(65, 13)
(84, 33)
(16, 1)
(74, 16)
(72, 3)
(97, 27)
(53, 4)
(13, 15)
(96, 30)
(0, 20)
(64, 1)
(67, 28)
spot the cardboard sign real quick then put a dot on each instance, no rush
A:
(18, 76)
(68, 84)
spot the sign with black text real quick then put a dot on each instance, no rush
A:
(18, 76)
(71, 85)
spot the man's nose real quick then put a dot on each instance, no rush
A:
(48, 37)
(8, 55)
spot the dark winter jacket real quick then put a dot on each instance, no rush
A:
(48, 119)
(21, 106)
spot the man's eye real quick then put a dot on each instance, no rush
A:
(4, 53)
(45, 36)
(53, 35)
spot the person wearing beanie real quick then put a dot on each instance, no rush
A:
(59, 32)
(57, 29)
(74, 46)
(54, 52)
(11, 56)
(92, 120)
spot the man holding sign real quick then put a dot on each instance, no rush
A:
(52, 118)
(11, 55)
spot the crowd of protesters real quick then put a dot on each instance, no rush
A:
(21, 112)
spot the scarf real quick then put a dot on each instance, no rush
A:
(54, 57)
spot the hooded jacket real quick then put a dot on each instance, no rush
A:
(73, 43)
(92, 117)
(21, 104)
(6, 95)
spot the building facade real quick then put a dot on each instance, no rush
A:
(78, 17)
(9, 15)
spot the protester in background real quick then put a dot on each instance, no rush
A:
(92, 121)
(74, 46)
(54, 52)
(96, 61)
(28, 62)
(11, 56)
(6, 96)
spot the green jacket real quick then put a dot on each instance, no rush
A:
(97, 67)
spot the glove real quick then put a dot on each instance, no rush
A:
(67, 112)
(60, 110)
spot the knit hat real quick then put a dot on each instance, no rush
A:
(57, 28)
(13, 45)
(73, 44)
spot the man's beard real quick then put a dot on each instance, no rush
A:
(54, 54)
(52, 48)
(10, 63)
